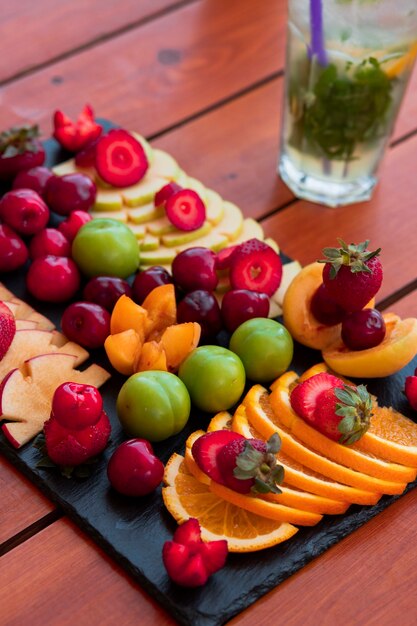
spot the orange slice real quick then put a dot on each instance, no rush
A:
(186, 497)
(391, 435)
(298, 475)
(397, 349)
(267, 422)
(221, 421)
(294, 498)
(345, 455)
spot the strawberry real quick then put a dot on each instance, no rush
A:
(120, 159)
(188, 559)
(351, 274)
(20, 149)
(185, 210)
(165, 192)
(206, 448)
(224, 257)
(343, 414)
(411, 390)
(68, 447)
(7, 328)
(75, 136)
(304, 396)
(251, 465)
(255, 266)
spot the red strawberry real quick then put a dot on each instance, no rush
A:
(224, 257)
(7, 328)
(255, 266)
(74, 136)
(67, 447)
(165, 192)
(251, 465)
(206, 448)
(188, 559)
(121, 160)
(305, 395)
(20, 150)
(344, 414)
(352, 275)
(411, 390)
(185, 210)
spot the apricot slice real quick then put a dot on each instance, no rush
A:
(161, 309)
(151, 357)
(397, 349)
(121, 349)
(298, 318)
(178, 341)
(128, 315)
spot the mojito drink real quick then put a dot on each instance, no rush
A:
(348, 64)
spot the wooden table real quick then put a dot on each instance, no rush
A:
(202, 79)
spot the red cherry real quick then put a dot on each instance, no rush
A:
(364, 329)
(13, 251)
(240, 305)
(133, 469)
(71, 192)
(86, 323)
(76, 406)
(53, 279)
(195, 268)
(149, 279)
(106, 290)
(325, 309)
(24, 211)
(35, 178)
(49, 241)
(73, 223)
(202, 307)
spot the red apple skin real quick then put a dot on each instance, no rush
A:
(49, 241)
(24, 211)
(133, 469)
(13, 250)
(53, 279)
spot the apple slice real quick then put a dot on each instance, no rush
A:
(139, 230)
(232, 222)
(164, 165)
(180, 237)
(272, 243)
(213, 240)
(289, 272)
(107, 200)
(22, 310)
(29, 343)
(143, 192)
(196, 185)
(251, 229)
(145, 213)
(214, 207)
(120, 215)
(161, 226)
(149, 242)
(26, 395)
(149, 151)
(161, 256)
(5, 294)
(70, 167)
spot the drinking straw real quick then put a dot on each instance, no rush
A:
(317, 36)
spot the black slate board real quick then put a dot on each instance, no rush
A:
(133, 531)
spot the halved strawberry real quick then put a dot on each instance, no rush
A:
(183, 566)
(206, 448)
(214, 554)
(304, 396)
(224, 257)
(120, 159)
(188, 533)
(166, 192)
(74, 136)
(255, 266)
(185, 210)
(7, 329)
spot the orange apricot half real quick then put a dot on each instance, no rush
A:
(151, 357)
(127, 315)
(121, 349)
(178, 341)
(161, 307)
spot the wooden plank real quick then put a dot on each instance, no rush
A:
(60, 576)
(406, 307)
(21, 504)
(162, 72)
(55, 28)
(369, 578)
(407, 117)
(389, 220)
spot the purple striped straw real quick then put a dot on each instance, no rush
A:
(317, 36)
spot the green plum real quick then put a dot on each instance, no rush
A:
(153, 405)
(106, 247)
(214, 377)
(265, 347)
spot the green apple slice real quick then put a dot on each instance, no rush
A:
(274, 308)
(289, 272)
(145, 213)
(214, 241)
(214, 207)
(149, 242)
(161, 256)
(197, 186)
(251, 229)
(139, 230)
(180, 237)
(143, 192)
(161, 226)
(149, 151)
(164, 165)
(120, 216)
(69, 167)
(232, 222)
(108, 200)
(182, 179)
(272, 243)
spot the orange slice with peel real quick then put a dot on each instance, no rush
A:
(221, 421)
(302, 477)
(184, 497)
(391, 435)
(266, 421)
(343, 454)
(294, 498)
(397, 349)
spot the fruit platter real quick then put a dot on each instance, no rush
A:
(211, 413)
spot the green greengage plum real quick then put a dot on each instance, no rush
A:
(153, 405)
(265, 348)
(106, 247)
(214, 377)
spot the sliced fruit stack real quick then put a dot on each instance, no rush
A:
(37, 360)
(321, 475)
